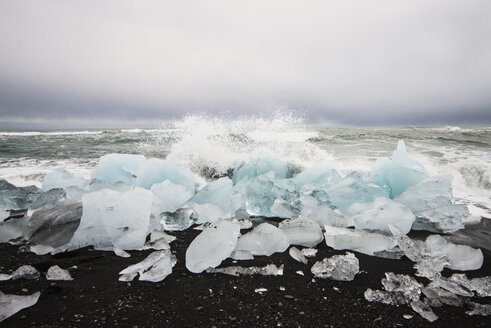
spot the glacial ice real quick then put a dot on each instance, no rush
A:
(179, 220)
(303, 232)
(265, 239)
(168, 197)
(15, 198)
(398, 289)
(217, 192)
(461, 257)
(398, 174)
(61, 178)
(309, 252)
(112, 218)
(480, 309)
(429, 267)
(12, 228)
(157, 235)
(424, 310)
(297, 255)
(431, 203)
(382, 212)
(437, 297)
(450, 285)
(282, 209)
(115, 168)
(11, 304)
(22, 272)
(262, 192)
(156, 170)
(337, 267)
(268, 270)
(57, 273)
(481, 285)
(241, 255)
(259, 166)
(155, 267)
(207, 212)
(48, 198)
(121, 253)
(324, 215)
(321, 175)
(357, 240)
(212, 246)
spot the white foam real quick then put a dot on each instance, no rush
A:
(38, 133)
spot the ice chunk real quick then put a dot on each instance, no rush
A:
(268, 270)
(399, 289)
(57, 273)
(479, 309)
(115, 168)
(383, 212)
(461, 257)
(96, 185)
(303, 232)
(179, 220)
(431, 266)
(437, 297)
(207, 212)
(156, 170)
(15, 198)
(327, 216)
(12, 228)
(168, 197)
(54, 225)
(121, 253)
(414, 251)
(382, 296)
(424, 310)
(309, 252)
(482, 285)
(112, 218)
(48, 198)
(282, 209)
(11, 304)
(155, 267)
(260, 290)
(357, 240)
(158, 245)
(217, 192)
(337, 267)
(241, 255)
(352, 189)
(321, 175)
(431, 203)
(160, 235)
(61, 178)
(40, 249)
(212, 246)
(297, 255)
(23, 272)
(451, 286)
(260, 166)
(259, 196)
(265, 239)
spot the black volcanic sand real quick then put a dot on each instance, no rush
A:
(95, 298)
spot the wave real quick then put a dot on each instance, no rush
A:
(38, 133)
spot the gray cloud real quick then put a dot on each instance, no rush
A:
(351, 62)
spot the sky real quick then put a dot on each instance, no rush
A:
(132, 63)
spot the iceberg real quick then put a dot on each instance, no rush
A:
(260, 166)
(213, 245)
(154, 268)
(11, 304)
(431, 203)
(61, 178)
(111, 218)
(265, 239)
(114, 168)
(337, 267)
(57, 273)
(268, 270)
(157, 170)
(303, 232)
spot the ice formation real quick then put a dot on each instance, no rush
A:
(320, 176)
(180, 219)
(309, 252)
(424, 310)
(268, 270)
(217, 193)
(57, 273)
(112, 218)
(480, 309)
(155, 170)
(114, 168)
(241, 255)
(22, 272)
(325, 215)
(11, 304)
(265, 239)
(168, 197)
(482, 285)
(461, 257)
(121, 253)
(337, 267)
(399, 289)
(14, 198)
(260, 166)
(212, 246)
(303, 232)
(48, 198)
(155, 267)
(296, 254)
(61, 178)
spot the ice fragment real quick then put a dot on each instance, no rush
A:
(337, 267)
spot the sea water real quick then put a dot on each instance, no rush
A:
(211, 147)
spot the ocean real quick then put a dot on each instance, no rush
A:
(212, 147)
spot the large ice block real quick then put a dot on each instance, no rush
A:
(337, 267)
(431, 203)
(111, 218)
(321, 175)
(357, 240)
(303, 232)
(325, 215)
(260, 166)
(61, 178)
(48, 198)
(217, 193)
(212, 246)
(265, 239)
(115, 168)
(157, 170)
(461, 257)
(168, 196)
(15, 198)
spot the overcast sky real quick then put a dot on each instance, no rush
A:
(87, 63)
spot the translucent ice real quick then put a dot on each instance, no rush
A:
(321, 175)
(217, 192)
(179, 220)
(431, 266)
(431, 203)
(156, 170)
(115, 168)
(309, 252)
(303, 232)
(337, 267)
(268, 270)
(241, 255)
(450, 285)
(112, 218)
(324, 215)
(121, 253)
(12, 228)
(480, 309)
(61, 178)
(212, 246)
(437, 297)
(260, 166)
(168, 197)
(399, 289)
(413, 250)
(481, 285)
(265, 239)
(15, 198)
(155, 267)
(207, 212)
(48, 198)
(357, 240)
(22, 272)
(383, 212)
(11, 304)
(424, 310)
(57, 273)
(297, 255)
(282, 209)
(461, 257)
(160, 235)
(382, 296)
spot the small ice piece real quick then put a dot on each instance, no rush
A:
(481, 285)
(413, 251)
(384, 211)
(121, 253)
(40, 249)
(385, 297)
(297, 255)
(424, 310)
(436, 297)
(431, 203)
(479, 309)
(241, 255)
(337, 267)
(260, 290)
(268, 270)
(157, 235)
(22, 272)
(259, 166)
(300, 273)
(303, 232)
(357, 240)
(309, 252)
(451, 286)
(158, 245)
(115, 168)
(61, 178)
(11, 304)
(155, 267)
(431, 266)
(265, 239)
(157, 170)
(111, 218)
(179, 220)
(402, 284)
(324, 215)
(57, 273)
(407, 316)
(394, 253)
(461, 257)
(168, 197)
(212, 246)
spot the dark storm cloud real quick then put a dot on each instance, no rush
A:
(349, 62)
